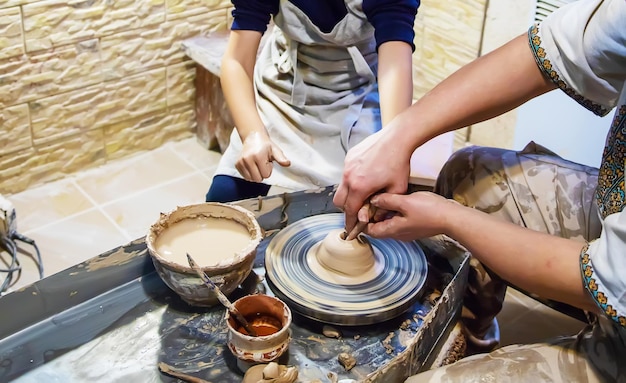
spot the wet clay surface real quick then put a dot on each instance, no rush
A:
(113, 319)
(126, 341)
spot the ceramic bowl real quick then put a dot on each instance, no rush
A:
(270, 318)
(227, 274)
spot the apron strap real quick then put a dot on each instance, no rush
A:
(361, 66)
(288, 61)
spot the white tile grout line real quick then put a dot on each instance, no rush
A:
(72, 179)
(171, 148)
(131, 195)
(150, 188)
(99, 208)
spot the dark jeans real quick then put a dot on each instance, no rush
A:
(227, 189)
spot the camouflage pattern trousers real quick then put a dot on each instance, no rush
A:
(539, 190)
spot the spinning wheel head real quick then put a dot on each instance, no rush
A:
(382, 292)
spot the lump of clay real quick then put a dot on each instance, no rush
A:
(270, 373)
(351, 258)
(346, 360)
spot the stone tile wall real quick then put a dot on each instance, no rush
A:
(84, 82)
(448, 35)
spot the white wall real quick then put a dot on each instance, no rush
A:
(559, 123)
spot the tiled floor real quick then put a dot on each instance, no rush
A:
(83, 215)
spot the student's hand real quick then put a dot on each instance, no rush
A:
(257, 155)
(413, 216)
(377, 164)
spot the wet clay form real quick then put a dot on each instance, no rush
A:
(324, 277)
(353, 260)
(270, 318)
(222, 238)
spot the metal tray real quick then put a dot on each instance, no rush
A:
(111, 319)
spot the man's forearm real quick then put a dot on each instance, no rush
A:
(537, 262)
(491, 85)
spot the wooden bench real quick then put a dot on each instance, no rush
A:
(214, 122)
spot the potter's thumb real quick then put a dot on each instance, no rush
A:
(279, 156)
(387, 201)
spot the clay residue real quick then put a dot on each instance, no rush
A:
(117, 258)
(209, 210)
(352, 258)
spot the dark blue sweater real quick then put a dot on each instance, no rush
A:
(392, 19)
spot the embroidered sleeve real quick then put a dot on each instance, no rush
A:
(603, 265)
(581, 48)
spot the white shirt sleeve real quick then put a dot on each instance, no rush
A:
(603, 266)
(582, 48)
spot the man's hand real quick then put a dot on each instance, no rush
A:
(374, 165)
(414, 216)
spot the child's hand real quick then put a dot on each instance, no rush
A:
(257, 155)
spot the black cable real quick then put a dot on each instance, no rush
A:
(9, 245)
(14, 267)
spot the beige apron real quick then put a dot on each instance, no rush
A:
(317, 95)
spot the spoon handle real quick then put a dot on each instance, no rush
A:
(221, 297)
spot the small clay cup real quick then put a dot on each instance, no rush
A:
(226, 275)
(270, 318)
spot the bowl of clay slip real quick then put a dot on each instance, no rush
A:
(221, 238)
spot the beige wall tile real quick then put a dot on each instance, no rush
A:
(132, 175)
(505, 20)
(11, 43)
(47, 73)
(51, 161)
(14, 129)
(456, 20)
(181, 117)
(148, 132)
(49, 203)
(185, 8)
(51, 23)
(134, 51)
(122, 15)
(229, 16)
(97, 106)
(180, 83)
(14, 3)
(498, 132)
(181, 29)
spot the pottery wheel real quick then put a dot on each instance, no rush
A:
(395, 285)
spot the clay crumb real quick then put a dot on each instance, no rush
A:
(331, 332)
(387, 343)
(346, 360)
(405, 325)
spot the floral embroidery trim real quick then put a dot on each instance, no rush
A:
(610, 193)
(591, 284)
(546, 67)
